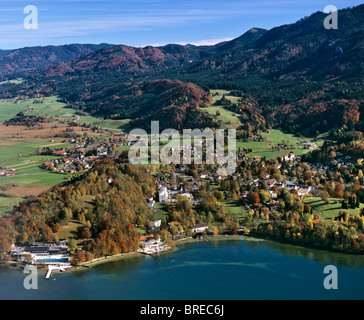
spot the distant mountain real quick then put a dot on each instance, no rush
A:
(4, 52)
(284, 74)
(25, 60)
(141, 61)
(125, 59)
(250, 36)
(300, 64)
(303, 49)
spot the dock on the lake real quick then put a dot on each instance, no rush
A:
(51, 269)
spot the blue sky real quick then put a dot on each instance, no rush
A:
(148, 22)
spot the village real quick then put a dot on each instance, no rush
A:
(176, 182)
(170, 183)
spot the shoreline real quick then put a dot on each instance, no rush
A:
(177, 243)
(90, 264)
(98, 261)
(121, 256)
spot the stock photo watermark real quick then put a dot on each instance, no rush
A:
(331, 21)
(31, 20)
(31, 281)
(202, 143)
(331, 280)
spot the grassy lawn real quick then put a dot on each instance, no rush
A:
(332, 209)
(51, 107)
(273, 138)
(159, 212)
(6, 204)
(47, 179)
(116, 125)
(70, 230)
(227, 118)
(233, 207)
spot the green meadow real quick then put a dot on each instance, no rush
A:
(52, 107)
(332, 209)
(265, 147)
(6, 204)
(21, 155)
(49, 107)
(110, 124)
(46, 179)
(226, 119)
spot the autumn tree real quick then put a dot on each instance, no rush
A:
(339, 190)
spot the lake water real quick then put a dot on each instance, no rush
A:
(218, 270)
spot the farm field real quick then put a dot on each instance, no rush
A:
(23, 186)
(30, 178)
(21, 155)
(18, 146)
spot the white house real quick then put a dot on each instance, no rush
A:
(188, 195)
(151, 203)
(204, 175)
(156, 224)
(163, 194)
(198, 228)
(304, 190)
(288, 157)
(310, 145)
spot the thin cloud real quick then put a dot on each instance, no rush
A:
(207, 42)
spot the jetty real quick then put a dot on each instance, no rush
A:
(51, 269)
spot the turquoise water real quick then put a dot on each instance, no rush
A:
(220, 269)
(53, 260)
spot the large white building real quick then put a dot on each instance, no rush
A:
(163, 194)
(198, 228)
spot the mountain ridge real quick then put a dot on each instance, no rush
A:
(29, 59)
(275, 69)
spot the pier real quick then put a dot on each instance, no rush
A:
(51, 269)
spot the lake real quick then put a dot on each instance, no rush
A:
(233, 269)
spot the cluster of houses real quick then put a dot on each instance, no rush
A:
(82, 155)
(272, 185)
(8, 172)
(73, 163)
(167, 192)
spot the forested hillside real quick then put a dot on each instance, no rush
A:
(107, 222)
(21, 62)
